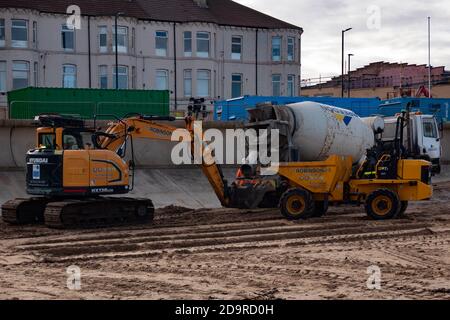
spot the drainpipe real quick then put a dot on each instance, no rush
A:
(89, 52)
(256, 63)
(300, 61)
(175, 64)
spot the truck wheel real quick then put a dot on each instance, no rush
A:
(382, 204)
(403, 207)
(320, 208)
(296, 204)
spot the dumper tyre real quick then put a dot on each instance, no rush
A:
(403, 207)
(320, 208)
(383, 204)
(296, 204)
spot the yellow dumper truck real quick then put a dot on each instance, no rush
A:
(313, 185)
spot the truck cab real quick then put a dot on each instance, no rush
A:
(425, 138)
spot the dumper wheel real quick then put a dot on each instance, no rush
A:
(320, 208)
(383, 204)
(403, 207)
(296, 204)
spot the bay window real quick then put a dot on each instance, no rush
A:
(162, 80)
(161, 41)
(203, 83)
(122, 39)
(203, 44)
(19, 33)
(21, 74)
(69, 76)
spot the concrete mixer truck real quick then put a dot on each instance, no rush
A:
(330, 155)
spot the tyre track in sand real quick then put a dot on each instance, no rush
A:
(226, 237)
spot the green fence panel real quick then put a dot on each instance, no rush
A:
(30, 109)
(29, 102)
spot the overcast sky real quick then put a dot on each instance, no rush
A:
(399, 35)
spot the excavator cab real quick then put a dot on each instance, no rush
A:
(65, 163)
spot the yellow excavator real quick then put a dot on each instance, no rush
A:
(75, 169)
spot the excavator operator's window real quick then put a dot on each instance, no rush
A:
(47, 140)
(72, 141)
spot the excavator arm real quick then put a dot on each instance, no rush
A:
(143, 127)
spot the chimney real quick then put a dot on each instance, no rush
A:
(201, 3)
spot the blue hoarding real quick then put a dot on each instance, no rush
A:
(236, 109)
(437, 107)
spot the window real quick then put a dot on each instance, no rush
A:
(122, 39)
(162, 80)
(133, 78)
(203, 83)
(70, 141)
(19, 34)
(236, 48)
(276, 85)
(187, 35)
(291, 49)
(291, 85)
(34, 34)
(2, 76)
(236, 85)
(123, 77)
(21, 74)
(276, 48)
(103, 39)
(188, 83)
(2, 32)
(36, 74)
(48, 140)
(161, 43)
(203, 44)
(429, 128)
(103, 77)
(69, 76)
(68, 38)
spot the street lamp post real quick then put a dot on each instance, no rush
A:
(116, 47)
(342, 74)
(350, 55)
(429, 57)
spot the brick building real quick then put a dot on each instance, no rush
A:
(393, 79)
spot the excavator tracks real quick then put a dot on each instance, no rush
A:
(24, 210)
(78, 213)
(98, 212)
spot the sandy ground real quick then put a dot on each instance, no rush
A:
(232, 254)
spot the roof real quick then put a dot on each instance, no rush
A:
(222, 12)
